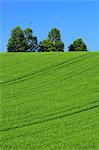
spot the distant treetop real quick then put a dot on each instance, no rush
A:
(78, 45)
(52, 43)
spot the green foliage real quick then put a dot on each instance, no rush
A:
(52, 43)
(25, 41)
(49, 101)
(45, 45)
(78, 45)
(21, 41)
(54, 35)
(16, 41)
(59, 46)
(30, 40)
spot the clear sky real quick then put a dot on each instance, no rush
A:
(74, 18)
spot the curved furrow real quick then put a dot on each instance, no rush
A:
(53, 68)
(54, 116)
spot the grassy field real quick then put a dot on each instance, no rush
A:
(49, 101)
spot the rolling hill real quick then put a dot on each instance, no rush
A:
(49, 101)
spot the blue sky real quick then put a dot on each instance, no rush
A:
(73, 18)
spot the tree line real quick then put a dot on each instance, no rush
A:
(24, 41)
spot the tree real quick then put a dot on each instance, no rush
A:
(30, 40)
(54, 35)
(53, 42)
(46, 46)
(78, 45)
(21, 41)
(59, 46)
(16, 41)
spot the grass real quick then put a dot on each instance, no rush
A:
(49, 101)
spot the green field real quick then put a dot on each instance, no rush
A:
(49, 101)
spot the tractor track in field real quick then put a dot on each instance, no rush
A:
(55, 116)
(67, 76)
(57, 66)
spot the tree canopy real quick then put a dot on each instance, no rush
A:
(78, 45)
(52, 43)
(22, 40)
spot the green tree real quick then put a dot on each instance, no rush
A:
(46, 46)
(59, 46)
(17, 40)
(30, 40)
(54, 35)
(78, 45)
(22, 41)
(52, 43)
